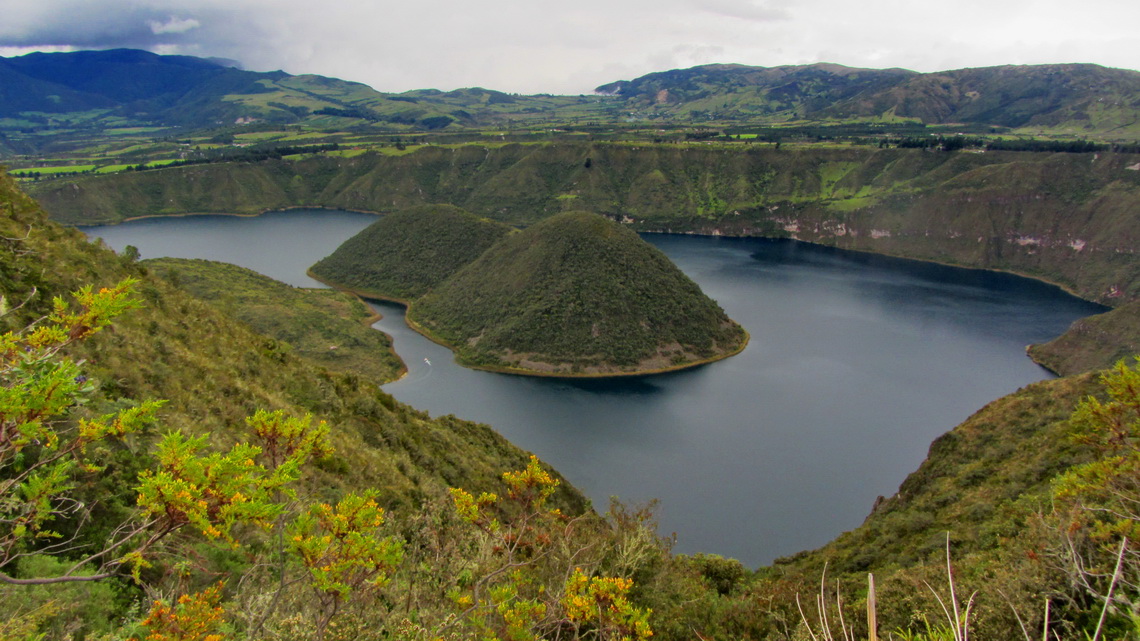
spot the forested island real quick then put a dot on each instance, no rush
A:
(573, 295)
(406, 253)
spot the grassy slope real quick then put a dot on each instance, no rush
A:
(329, 328)
(216, 371)
(576, 294)
(1096, 342)
(405, 254)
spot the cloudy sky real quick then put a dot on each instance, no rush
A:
(541, 46)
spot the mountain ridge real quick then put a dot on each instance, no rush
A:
(1008, 95)
(144, 88)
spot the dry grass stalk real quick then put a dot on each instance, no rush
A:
(872, 618)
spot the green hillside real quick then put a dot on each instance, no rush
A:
(214, 371)
(576, 294)
(133, 87)
(329, 328)
(1093, 343)
(740, 92)
(406, 253)
(1079, 98)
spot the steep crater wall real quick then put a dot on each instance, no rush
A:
(1071, 219)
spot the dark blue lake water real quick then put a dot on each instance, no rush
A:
(857, 362)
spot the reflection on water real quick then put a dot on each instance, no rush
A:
(857, 362)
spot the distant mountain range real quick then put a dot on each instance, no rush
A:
(1007, 96)
(120, 88)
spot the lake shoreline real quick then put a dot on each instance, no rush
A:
(1067, 289)
(423, 331)
(526, 372)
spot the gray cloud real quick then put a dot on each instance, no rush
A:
(532, 46)
(83, 24)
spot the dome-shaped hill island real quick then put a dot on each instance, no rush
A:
(575, 295)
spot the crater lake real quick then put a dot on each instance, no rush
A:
(857, 363)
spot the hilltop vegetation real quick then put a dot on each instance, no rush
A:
(576, 294)
(214, 371)
(406, 253)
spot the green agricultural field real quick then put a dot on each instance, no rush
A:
(72, 169)
(348, 153)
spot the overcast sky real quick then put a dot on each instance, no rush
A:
(540, 46)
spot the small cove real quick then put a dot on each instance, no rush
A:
(857, 362)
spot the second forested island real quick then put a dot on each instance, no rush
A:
(573, 295)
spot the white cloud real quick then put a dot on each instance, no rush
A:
(173, 25)
(746, 10)
(9, 52)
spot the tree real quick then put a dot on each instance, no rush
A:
(535, 570)
(44, 441)
(342, 552)
(47, 446)
(193, 617)
(1097, 514)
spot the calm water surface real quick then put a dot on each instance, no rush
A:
(856, 364)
